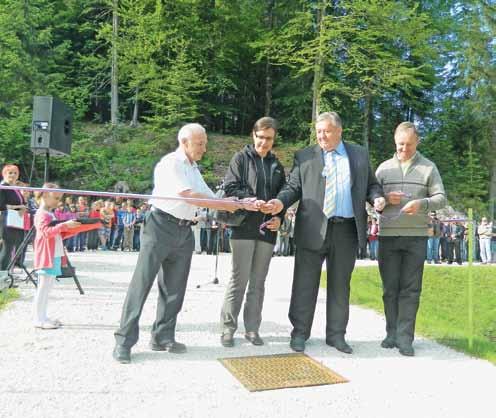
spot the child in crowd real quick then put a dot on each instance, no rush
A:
(48, 253)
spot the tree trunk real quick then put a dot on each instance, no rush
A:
(492, 186)
(114, 86)
(319, 64)
(134, 121)
(268, 72)
(367, 122)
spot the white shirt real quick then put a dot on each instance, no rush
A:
(174, 174)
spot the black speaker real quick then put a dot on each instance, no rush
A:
(51, 130)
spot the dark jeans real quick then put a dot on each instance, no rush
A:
(117, 242)
(81, 241)
(136, 239)
(373, 246)
(339, 250)
(443, 244)
(433, 249)
(401, 264)
(70, 243)
(166, 250)
(11, 240)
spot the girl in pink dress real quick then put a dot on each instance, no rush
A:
(49, 254)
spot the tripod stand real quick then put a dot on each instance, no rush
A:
(16, 259)
(68, 271)
(216, 279)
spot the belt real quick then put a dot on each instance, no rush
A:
(340, 220)
(169, 217)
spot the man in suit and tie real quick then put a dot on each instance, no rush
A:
(332, 181)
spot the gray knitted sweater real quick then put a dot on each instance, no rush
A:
(421, 181)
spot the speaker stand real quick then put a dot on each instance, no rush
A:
(47, 167)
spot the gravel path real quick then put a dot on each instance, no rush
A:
(70, 372)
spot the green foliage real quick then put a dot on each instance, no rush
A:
(7, 296)
(443, 313)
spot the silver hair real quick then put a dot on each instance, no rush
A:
(407, 126)
(331, 117)
(188, 130)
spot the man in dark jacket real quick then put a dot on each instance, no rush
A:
(332, 181)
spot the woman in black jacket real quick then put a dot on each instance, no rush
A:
(10, 200)
(254, 172)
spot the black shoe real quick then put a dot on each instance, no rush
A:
(254, 338)
(122, 354)
(340, 345)
(406, 350)
(172, 347)
(297, 344)
(227, 340)
(388, 342)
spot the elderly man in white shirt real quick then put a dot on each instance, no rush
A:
(167, 244)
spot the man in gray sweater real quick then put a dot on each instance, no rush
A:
(413, 188)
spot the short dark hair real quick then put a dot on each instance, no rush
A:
(265, 123)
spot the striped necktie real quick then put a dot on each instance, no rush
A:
(330, 174)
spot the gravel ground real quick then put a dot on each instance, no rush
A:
(70, 372)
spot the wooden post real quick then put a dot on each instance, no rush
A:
(470, 279)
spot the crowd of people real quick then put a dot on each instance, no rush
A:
(332, 207)
(121, 220)
(447, 242)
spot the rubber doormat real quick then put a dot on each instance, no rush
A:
(279, 371)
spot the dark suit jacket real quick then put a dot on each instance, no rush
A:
(307, 185)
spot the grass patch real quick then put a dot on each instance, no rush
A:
(443, 313)
(6, 296)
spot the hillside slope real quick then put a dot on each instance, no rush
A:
(100, 159)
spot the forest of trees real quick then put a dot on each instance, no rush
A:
(130, 64)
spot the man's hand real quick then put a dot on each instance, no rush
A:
(274, 223)
(379, 204)
(412, 207)
(251, 204)
(72, 224)
(394, 198)
(232, 204)
(272, 207)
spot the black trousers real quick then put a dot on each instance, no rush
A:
(166, 249)
(401, 264)
(339, 250)
(11, 240)
(454, 249)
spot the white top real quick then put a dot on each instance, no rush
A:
(174, 174)
(59, 244)
(485, 231)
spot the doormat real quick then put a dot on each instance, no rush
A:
(279, 371)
